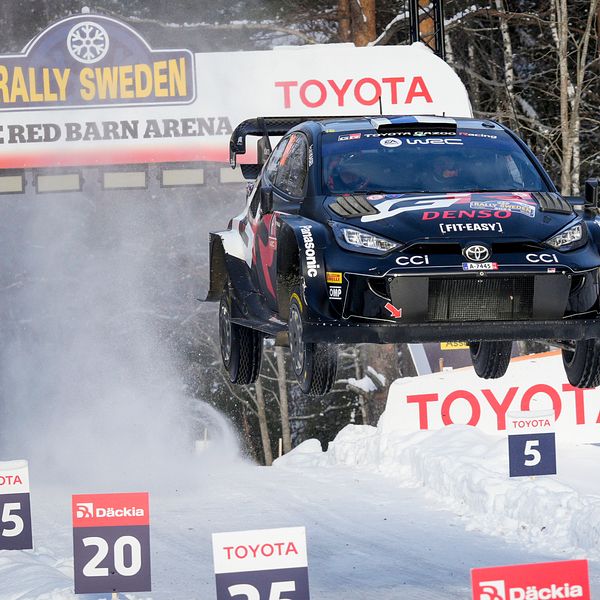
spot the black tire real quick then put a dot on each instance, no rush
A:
(582, 365)
(314, 364)
(490, 359)
(241, 347)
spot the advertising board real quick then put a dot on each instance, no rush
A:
(111, 543)
(89, 90)
(15, 506)
(536, 383)
(263, 564)
(541, 581)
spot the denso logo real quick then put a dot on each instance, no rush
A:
(366, 91)
(496, 590)
(541, 258)
(417, 261)
(429, 215)
(309, 251)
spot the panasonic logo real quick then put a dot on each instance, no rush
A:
(309, 251)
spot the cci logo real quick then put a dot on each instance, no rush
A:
(87, 42)
(476, 253)
(405, 261)
(492, 590)
(85, 510)
(542, 258)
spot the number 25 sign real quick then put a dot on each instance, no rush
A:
(265, 564)
(15, 508)
(111, 543)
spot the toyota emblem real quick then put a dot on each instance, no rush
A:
(476, 253)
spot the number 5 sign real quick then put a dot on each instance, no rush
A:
(111, 543)
(266, 564)
(15, 507)
(533, 450)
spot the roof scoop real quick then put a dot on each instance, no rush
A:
(410, 123)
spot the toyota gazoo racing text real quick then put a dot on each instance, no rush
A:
(403, 229)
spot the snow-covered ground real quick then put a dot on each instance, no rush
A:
(94, 400)
(387, 517)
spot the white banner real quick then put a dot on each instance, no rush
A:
(14, 477)
(89, 90)
(260, 550)
(537, 384)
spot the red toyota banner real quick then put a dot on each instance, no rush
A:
(541, 581)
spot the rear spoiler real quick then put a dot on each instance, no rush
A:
(263, 127)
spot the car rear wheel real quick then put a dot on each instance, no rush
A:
(314, 364)
(241, 347)
(490, 359)
(582, 363)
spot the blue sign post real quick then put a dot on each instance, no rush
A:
(532, 454)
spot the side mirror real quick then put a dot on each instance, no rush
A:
(592, 192)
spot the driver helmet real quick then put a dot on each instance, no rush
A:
(445, 168)
(350, 173)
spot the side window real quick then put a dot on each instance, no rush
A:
(274, 159)
(292, 168)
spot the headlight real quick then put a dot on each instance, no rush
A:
(571, 238)
(358, 240)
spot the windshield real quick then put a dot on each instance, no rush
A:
(468, 161)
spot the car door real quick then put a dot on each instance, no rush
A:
(282, 189)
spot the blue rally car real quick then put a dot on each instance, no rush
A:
(403, 229)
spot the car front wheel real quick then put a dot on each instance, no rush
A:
(582, 363)
(490, 359)
(314, 364)
(241, 347)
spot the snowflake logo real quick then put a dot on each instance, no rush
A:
(87, 42)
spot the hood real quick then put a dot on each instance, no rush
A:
(409, 218)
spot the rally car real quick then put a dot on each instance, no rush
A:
(403, 229)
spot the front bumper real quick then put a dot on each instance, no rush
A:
(390, 333)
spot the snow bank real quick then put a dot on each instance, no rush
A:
(466, 470)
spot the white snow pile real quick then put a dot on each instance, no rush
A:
(467, 472)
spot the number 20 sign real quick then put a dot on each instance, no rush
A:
(15, 506)
(265, 564)
(111, 543)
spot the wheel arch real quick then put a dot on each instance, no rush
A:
(288, 268)
(301, 245)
